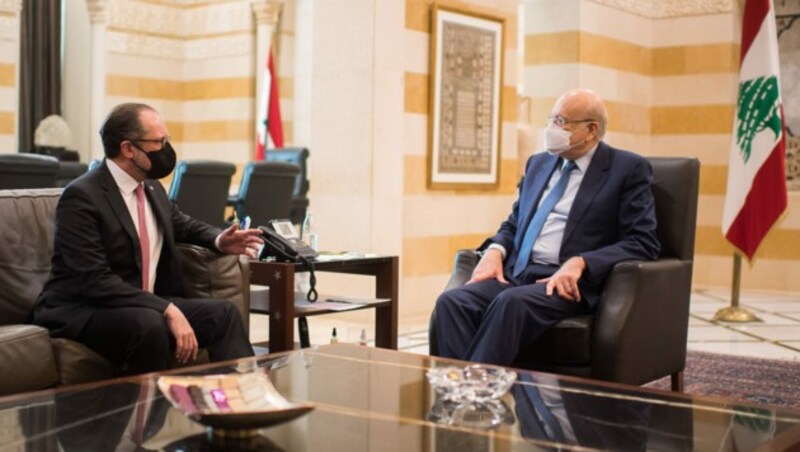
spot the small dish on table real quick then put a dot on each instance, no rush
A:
(234, 404)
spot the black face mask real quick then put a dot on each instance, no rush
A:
(162, 162)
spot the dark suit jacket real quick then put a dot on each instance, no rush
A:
(97, 258)
(612, 219)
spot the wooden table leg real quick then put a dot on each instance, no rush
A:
(279, 277)
(387, 286)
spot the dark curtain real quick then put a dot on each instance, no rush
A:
(40, 66)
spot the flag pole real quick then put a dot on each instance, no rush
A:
(735, 313)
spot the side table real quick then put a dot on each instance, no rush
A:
(279, 277)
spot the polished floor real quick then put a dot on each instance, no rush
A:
(777, 336)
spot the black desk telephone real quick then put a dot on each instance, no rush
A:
(282, 243)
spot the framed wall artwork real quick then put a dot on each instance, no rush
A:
(466, 82)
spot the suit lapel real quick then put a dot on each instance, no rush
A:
(595, 177)
(114, 198)
(161, 209)
(532, 195)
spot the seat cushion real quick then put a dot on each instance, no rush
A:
(569, 342)
(78, 363)
(27, 359)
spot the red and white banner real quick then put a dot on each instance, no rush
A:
(269, 129)
(756, 196)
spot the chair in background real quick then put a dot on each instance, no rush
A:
(68, 171)
(200, 189)
(27, 171)
(638, 333)
(266, 191)
(297, 156)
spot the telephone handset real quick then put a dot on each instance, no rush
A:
(282, 243)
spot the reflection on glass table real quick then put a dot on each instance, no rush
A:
(369, 399)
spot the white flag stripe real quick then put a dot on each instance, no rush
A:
(263, 104)
(762, 57)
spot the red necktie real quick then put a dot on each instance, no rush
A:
(144, 237)
(140, 410)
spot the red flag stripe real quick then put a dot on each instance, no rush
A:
(274, 122)
(765, 203)
(754, 13)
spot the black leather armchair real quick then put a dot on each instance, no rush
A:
(638, 333)
(297, 156)
(27, 171)
(68, 171)
(200, 189)
(266, 191)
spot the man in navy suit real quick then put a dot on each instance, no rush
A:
(583, 207)
(115, 281)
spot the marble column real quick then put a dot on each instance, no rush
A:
(98, 16)
(9, 31)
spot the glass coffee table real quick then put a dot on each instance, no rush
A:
(370, 399)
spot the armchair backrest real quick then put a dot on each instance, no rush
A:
(297, 156)
(266, 191)
(27, 171)
(27, 230)
(675, 187)
(200, 188)
(69, 171)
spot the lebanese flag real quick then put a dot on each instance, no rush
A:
(756, 196)
(269, 129)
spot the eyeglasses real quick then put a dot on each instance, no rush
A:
(560, 121)
(162, 141)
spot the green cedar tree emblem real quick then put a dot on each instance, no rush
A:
(757, 109)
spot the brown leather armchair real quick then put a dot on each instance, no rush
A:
(30, 358)
(638, 333)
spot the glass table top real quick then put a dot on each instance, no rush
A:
(368, 399)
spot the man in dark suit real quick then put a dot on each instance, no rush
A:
(583, 206)
(115, 282)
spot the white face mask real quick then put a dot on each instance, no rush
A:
(556, 139)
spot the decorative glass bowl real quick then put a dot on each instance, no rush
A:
(231, 404)
(471, 396)
(474, 383)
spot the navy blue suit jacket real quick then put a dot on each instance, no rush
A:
(612, 219)
(97, 259)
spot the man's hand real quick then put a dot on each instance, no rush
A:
(490, 266)
(236, 241)
(185, 340)
(565, 280)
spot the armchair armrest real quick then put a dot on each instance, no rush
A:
(637, 342)
(209, 274)
(464, 264)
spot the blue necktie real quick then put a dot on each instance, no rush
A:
(544, 412)
(537, 222)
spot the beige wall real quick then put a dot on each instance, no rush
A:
(195, 64)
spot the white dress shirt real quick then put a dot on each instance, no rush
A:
(127, 185)
(548, 243)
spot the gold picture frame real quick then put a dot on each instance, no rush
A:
(466, 82)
